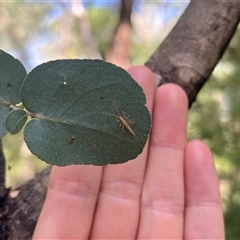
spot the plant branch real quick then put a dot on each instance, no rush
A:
(3, 190)
(193, 48)
(4, 227)
(118, 51)
(13, 107)
(23, 210)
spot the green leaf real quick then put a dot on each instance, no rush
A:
(15, 121)
(77, 104)
(12, 74)
(3, 113)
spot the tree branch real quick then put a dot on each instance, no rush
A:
(4, 228)
(3, 190)
(119, 48)
(193, 48)
(22, 207)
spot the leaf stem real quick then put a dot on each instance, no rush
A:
(13, 107)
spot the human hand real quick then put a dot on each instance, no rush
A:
(169, 192)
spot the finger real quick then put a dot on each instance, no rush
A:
(203, 216)
(118, 205)
(70, 203)
(163, 190)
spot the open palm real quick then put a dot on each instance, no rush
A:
(169, 192)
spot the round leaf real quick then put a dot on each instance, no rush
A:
(3, 113)
(15, 121)
(12, 74)
(79, 106)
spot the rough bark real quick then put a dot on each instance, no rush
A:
(3, 190)
(19, 209)
(187, 57)
(192, 49)
(4, 228)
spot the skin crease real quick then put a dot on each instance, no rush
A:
(169, 192)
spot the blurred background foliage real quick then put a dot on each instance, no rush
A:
(215, 119)
(35, 32)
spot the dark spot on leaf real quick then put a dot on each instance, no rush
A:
(71, 140)
(9, 85)
(101, 97)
